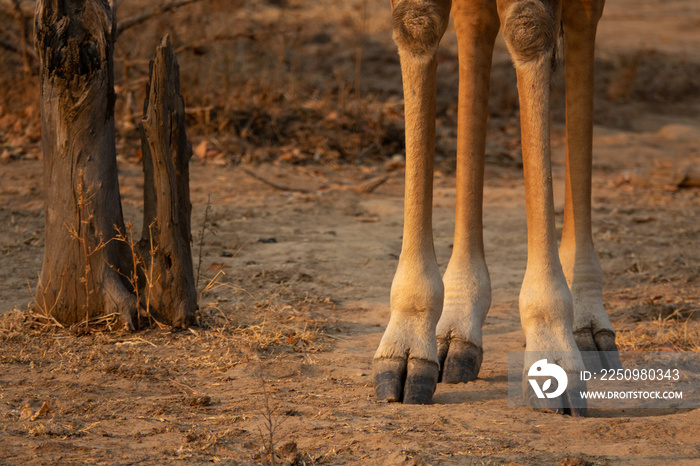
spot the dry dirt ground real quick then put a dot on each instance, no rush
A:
(294, 284)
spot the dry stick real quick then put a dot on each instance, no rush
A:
(19, 15)
(214, 283)
(135, 270)
(272, 421)
(370, 185)
(360, 49)
(366, 187)
(203, 234)
(10, 43)
(48, 316)
(217, 38)
(150, 13)
(83, 227)
(194, 390)
(152, 250)
(275, 185)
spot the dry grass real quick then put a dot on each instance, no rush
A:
(182, 366)
(661, 335)
(279, 321)
(282, 317)
(661, 326)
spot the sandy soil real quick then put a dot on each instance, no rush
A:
(294, 297)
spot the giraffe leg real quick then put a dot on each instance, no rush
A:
(406, 363)
(592, 329)
(546, 307)
(466, 280)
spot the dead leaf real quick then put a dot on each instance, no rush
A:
(45, 409)
(27, 413)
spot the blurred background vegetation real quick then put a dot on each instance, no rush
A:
(304, 81)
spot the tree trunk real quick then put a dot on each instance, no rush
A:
(91, 266)
(170, 292)
(80, 278)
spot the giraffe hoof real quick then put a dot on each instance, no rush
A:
(607, 349)
(460, 360)
(598, 351)
(569, 403)
(389, 377)
(420, 382)
(412, 382)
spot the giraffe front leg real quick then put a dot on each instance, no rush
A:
(592, 329)
(546, 306)
(406, 363)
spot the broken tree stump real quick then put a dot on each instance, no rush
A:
(81, 274)
(91, 267)
(170, 292)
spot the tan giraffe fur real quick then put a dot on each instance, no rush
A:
(435, 326)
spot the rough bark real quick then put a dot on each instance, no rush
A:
(80, 277)
(170, 293)
(91, 268)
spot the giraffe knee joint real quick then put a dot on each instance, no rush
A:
(418, 26)
(530, 31)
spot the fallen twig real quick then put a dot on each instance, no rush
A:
(275, 185)
(194, 390)
(216, 38)
(370, 185)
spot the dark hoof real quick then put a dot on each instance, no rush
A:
(460, 360)
(609, 357)
(599, 351)
(389, 377)
(569, 403)
(412, 383)
(589, 351)
(420, 382)
(578, 406)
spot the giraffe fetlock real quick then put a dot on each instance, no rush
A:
(592, 329)
(406, 365)
(459, 334)
(546, 313)
(571, 400)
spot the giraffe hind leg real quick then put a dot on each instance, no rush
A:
(467, 282)
(593, 331)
